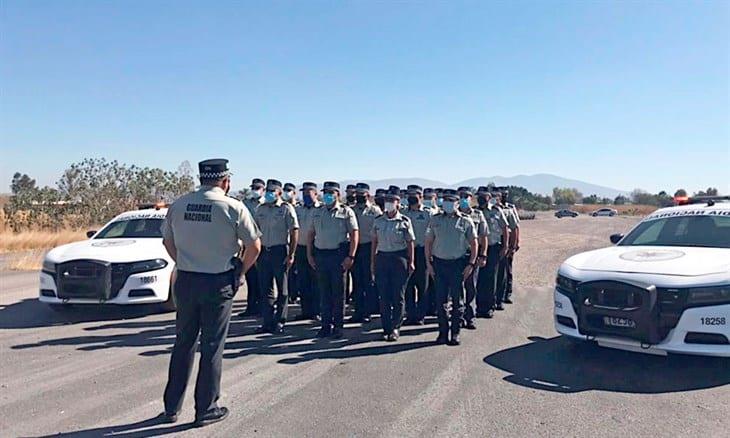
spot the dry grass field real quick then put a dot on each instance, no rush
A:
(626, 210)
(25, 250)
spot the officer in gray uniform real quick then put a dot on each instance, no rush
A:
(331, 254)
(380, 198)
(253, 297)
(449, 236)
(289, 195)
(201, 232)
(279, 226)
(350, 195)
(392, 260)
(470, 283)
(418, 300)
(365, 293)
(439, 197)
(306, 276)
(513, 219)
(502, 270)
(429, 200)
(487, 286)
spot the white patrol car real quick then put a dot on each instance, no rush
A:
(124, 263)
(664, 288)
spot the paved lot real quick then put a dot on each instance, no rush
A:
(102, 371)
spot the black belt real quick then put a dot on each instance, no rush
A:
(269, 248)
(400, 253)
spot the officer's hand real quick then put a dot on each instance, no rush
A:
(429, 270)
(347, 264)
(289, 262)
(503, 252)
(411, 268)
(312, 263)
(467, 271)
(482, 262)
(516, 248)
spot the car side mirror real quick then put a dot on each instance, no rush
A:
(90, 233)
(616, 238)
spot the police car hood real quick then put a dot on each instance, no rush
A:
(661, 260)
(110, 250)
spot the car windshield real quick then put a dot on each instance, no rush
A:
(132, 228)
(704, 231)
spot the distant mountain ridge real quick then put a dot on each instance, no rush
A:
(542, 183)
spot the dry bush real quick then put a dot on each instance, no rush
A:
(37, 240)
(25, 261)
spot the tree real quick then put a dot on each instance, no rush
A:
(566, 196)
(711, 191)
(642, 197)
(591, 200)
(680, 193)
(620, 200)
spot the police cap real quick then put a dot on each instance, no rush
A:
(414, 189)
(380, 192)
(392, 197)
(289, 187)
(331, 185)
(273, 184)
(450, 195)
(428, 191)
(215, 168)
(393, 189)
(309, 185)
(362, 188)
(257, 183)
(483, 190)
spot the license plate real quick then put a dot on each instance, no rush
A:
(619, 322)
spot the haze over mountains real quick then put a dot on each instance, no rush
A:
(541, 183)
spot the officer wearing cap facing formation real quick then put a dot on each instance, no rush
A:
(418, 301)
(202, 233)
(487, 295)
(392, 262)
(350, 195)
(289, 195)
(365, 293)
(331, 249)
(470, 282)
(253, 199)
(514, 225)
(279, 226)
(306, 277)
(450, 236)
(429, 200)
(380, 198)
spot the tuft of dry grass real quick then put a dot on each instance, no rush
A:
(24, 261)
(37, 240)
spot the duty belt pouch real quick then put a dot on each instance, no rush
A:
(237, 272)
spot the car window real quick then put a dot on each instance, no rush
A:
(133, 228)
(703, 231)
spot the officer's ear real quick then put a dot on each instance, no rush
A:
(227, 185)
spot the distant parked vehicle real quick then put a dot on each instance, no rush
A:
(565, 213)
(525, 215)
(604, 212)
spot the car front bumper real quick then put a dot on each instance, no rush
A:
(691, 321)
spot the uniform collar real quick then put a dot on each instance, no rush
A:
(278, 203)
(397, 216)
(214, 189)
(471, 210)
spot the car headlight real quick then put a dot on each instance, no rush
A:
(709, 295)
(147, 265)
(49, 266)
(566, 284)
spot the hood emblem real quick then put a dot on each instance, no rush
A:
(112, 243)
(657, 255)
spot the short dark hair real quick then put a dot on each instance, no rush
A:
(211, 181)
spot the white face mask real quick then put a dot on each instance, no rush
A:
(255, 194)
(492, 202)
(390, 207)
(286, 196)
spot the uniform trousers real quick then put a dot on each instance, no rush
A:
(391, 277)
(418, 301)
(364, 292)
(331, 282)
(487, 282)
(204, 304)
(253, 302)
(306, 284)
(273, 284)
(470, 287)
(449, 285)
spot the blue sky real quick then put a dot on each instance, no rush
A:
(623, 94)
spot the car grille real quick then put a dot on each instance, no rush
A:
(91, 279)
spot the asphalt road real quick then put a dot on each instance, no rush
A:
(101, 372)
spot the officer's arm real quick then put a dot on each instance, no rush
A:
(428, 247)
(354, 242)
(373, 251)
(250, 254)
(293, 241)
(171, 248)
(514, 242)
(310, 245)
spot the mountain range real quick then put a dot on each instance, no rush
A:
(541, 183)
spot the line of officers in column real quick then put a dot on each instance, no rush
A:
(402, 253)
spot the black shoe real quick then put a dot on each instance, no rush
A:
(391, 338)
(455, 340)
(499, 307)
(323, 333)
(366, 319)
(420, 322)
(470, 325)
(408, 322)
(386, 336)
(336, 333)
(489, 314)
(212, 416)
(168, 417)
(278, 329)
(507, 300)
(442, 339)
(261, 330)
(355, 319)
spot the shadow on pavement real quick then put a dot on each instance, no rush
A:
(143, 428)
(559, 365)
(31, 313)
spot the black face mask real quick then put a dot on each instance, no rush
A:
(482, 201)
(413, 200)
(360, 199)
(350, 198)
(380, 202)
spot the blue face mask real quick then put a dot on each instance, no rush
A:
(428, 203)
(449, 206)
(329, 198)
(440, 202)
(270, 197)
(308, 200)
(464, 203)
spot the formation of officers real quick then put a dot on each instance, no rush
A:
(404, 254)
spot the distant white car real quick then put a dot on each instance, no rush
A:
(604, 212)
(664, 288)
(123, 263)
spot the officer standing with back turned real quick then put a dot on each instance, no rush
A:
(202, 233)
